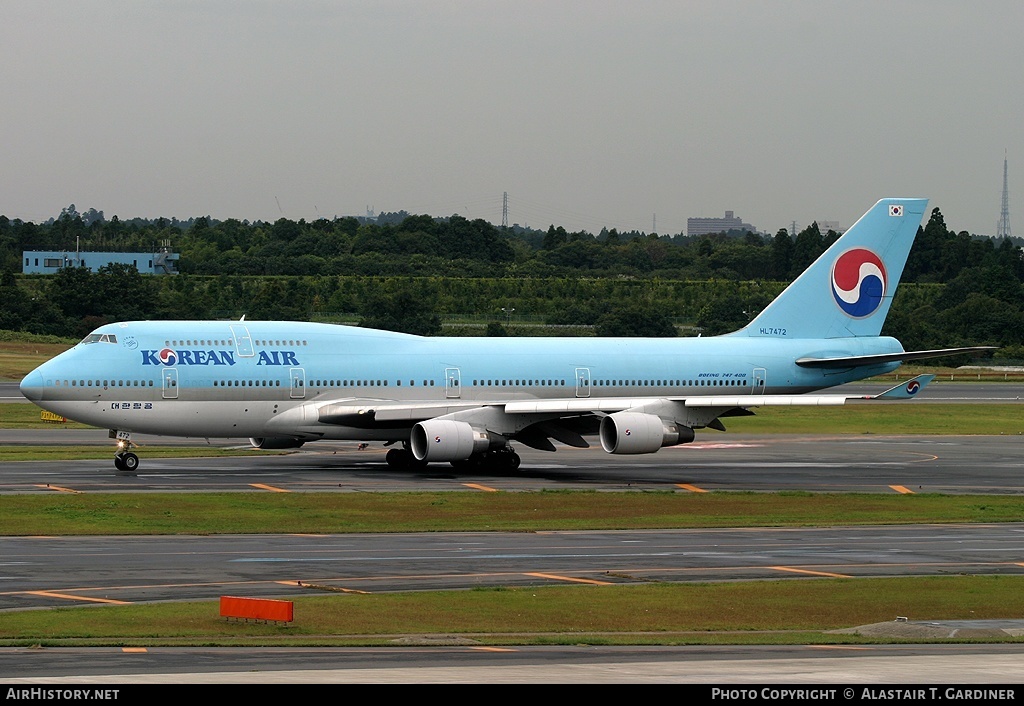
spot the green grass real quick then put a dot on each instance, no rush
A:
(25, 415)
(795, 611)
(21, 353)
(454, 511)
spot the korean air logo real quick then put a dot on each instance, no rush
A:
(859, 282)
(437, 439)
(167, 356)
(913, 387)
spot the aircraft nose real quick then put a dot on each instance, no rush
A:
(32, 386)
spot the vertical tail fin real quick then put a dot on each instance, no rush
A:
(849, 289)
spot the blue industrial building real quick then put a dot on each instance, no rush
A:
(46, 262)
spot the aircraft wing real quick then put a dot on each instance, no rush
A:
(382, 412)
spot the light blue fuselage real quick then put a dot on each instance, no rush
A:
(231, 379)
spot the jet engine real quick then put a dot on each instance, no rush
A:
(446, 440)
(276, 442)
(638, 433)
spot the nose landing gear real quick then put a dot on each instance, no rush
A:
(124, 459)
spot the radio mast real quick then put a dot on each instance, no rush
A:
(1003, 229)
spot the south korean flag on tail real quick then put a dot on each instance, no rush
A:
(896, 209)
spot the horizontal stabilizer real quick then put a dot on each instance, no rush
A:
(858, 360)
(905, 390)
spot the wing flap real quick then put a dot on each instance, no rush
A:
(580, 405)
(769, 401)
(363, 412)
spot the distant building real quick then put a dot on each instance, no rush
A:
(706, 226)
(46, 262)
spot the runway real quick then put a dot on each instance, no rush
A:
(716, 461)
(49, 572)
(849, 670)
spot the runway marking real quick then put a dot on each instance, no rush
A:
(493, 649)
(134, 650)
(716, 445)
(58, 488)
(570, 579)
(69, 596)
(322, 587)
(691, 488)
(271, 488)
(902, 489)
(839, 647)
(481, 487)
(792, 570)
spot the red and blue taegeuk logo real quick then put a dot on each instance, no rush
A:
(859, 282)
(167, 356)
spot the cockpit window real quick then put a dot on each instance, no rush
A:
(100, 338)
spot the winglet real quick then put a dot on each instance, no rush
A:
(905, 390)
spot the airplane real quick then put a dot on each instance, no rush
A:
(465, 400)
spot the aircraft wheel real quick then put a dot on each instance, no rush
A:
(514, 461)
(130, 461)
(403, 460)
(119, 462)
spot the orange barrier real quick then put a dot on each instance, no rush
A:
(256, 609)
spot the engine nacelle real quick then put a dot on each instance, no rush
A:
(638, 433)
(446, 440)
(276, 442)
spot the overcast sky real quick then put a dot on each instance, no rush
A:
(633, 115)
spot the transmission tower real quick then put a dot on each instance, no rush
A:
(1003, 229)
(504, 210)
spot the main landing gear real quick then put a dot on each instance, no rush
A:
(403, 460)
(124, 459)
(502, 459)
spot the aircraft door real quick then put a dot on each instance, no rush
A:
(452, 378)
(243, 342)
(170, 383)
(583, 382)
(759, 381)
(297, 383)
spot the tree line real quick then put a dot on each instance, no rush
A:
(411, 272)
